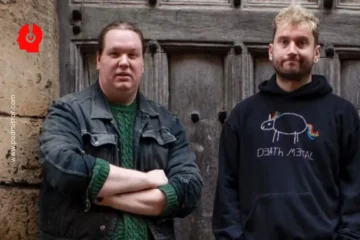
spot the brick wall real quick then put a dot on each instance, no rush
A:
(33, 79)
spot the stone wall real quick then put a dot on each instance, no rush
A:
(32, 79)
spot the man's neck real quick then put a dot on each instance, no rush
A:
(122, 101)
(289, 85)
(125, 98)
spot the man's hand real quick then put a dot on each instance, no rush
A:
(107, 201)
(157, 178)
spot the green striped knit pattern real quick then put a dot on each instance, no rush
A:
(129, 226)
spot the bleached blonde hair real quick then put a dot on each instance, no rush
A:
(297, 15)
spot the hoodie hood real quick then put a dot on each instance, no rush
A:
(318, 87)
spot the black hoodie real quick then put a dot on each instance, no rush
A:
(289, 166)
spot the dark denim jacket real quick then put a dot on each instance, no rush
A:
(80, 128)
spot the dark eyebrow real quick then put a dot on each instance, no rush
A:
(301, 38)
(282, 37)
(119, 48)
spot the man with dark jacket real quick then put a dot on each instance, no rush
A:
(290, 155)
(116, 165)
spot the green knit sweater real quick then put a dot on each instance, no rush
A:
(129, 226)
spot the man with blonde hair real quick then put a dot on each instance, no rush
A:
(289, 156)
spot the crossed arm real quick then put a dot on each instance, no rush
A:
(133, 191)
(175, 194)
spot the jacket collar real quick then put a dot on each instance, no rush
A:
(100, 107)
(145, 106)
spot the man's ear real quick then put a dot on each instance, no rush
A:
(317, 53)
(98, 56)
(270, 51)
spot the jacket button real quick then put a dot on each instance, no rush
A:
(102, 228)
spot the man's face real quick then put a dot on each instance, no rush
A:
(121, 63)
(293, 51)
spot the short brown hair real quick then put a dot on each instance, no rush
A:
(122, 25)
(294, 15)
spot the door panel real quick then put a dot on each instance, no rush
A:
(350, 81)
(263, 70)
(196, 89)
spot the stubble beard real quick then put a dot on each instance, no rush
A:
(295, 75)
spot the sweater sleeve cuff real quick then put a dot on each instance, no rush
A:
(172, 203)
(100, 173)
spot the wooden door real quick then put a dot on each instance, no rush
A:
(202, 58)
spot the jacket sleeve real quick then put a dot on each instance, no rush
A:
(349, 227)
(65, 165)
(183, 172)
(226, 221)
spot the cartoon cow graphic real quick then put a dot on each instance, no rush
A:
(279, 123)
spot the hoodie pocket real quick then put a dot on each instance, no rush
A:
(287, 216)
